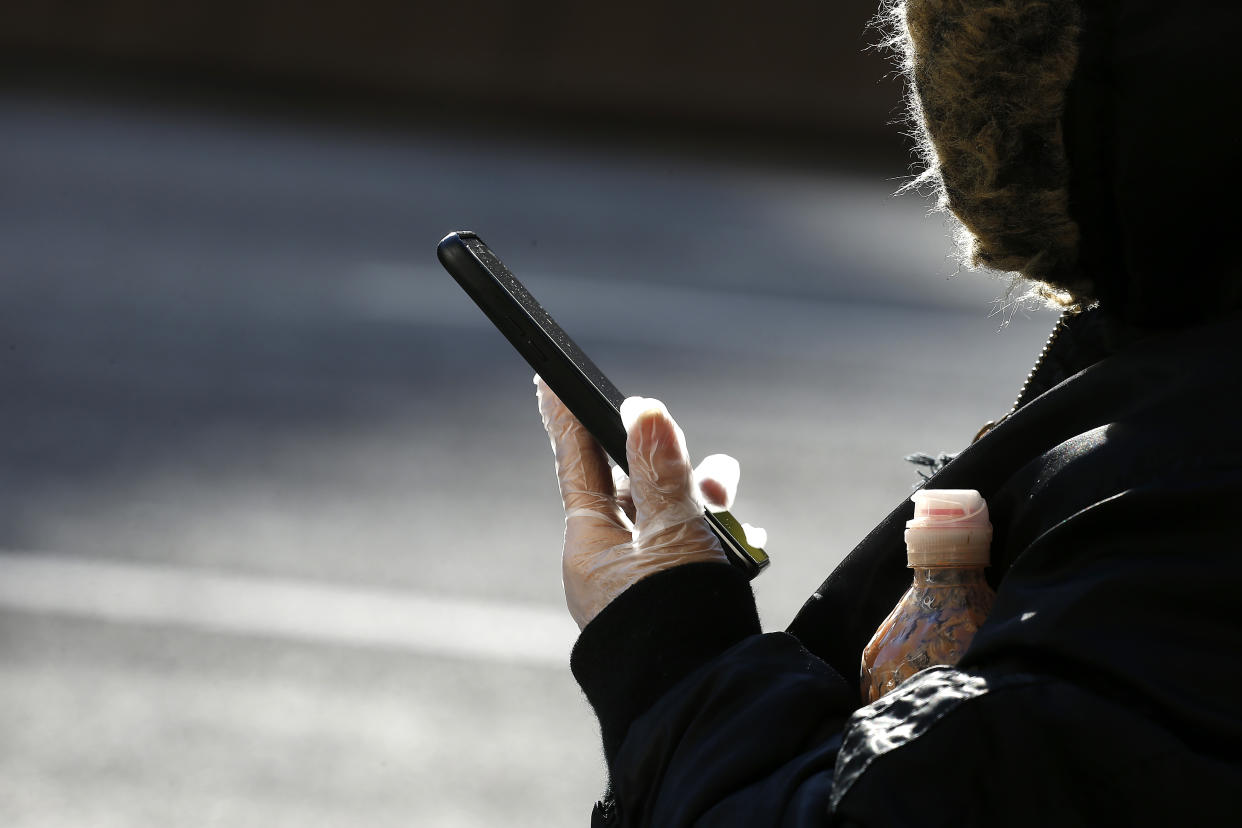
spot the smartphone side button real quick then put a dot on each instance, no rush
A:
(535, 351)
(517, 334)
(509, 328)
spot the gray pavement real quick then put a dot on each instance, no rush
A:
(226, 349)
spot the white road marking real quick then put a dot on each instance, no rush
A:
(284, 608)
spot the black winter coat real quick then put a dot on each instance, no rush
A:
(1104, 689)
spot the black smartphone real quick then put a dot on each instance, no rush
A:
(569, 372)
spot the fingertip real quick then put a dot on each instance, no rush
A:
(541, 388)
(721, 467)
(631, 407)
(714, 493)
(756, 536)
(651, 430)
(634, 409)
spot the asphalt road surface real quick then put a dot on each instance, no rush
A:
(279, 529)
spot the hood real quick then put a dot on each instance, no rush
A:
(1085, 144)
(1150, 138)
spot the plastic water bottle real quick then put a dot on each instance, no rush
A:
(947, 546)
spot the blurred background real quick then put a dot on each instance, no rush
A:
(279, 529)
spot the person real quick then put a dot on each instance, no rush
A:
(1084, 146)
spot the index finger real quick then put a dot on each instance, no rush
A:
(581, 465)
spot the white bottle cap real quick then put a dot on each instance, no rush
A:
(950, 528)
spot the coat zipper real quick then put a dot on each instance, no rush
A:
(1026, 385)
(1039, 362)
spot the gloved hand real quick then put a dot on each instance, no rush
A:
(619, 530)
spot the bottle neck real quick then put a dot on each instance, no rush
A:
(948, 575)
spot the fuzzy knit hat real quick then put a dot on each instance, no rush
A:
(1086, 145)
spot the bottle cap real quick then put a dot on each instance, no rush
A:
(950, 528)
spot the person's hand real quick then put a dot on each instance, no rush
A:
(621, 529)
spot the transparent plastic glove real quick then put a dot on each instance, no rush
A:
(619, 530)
